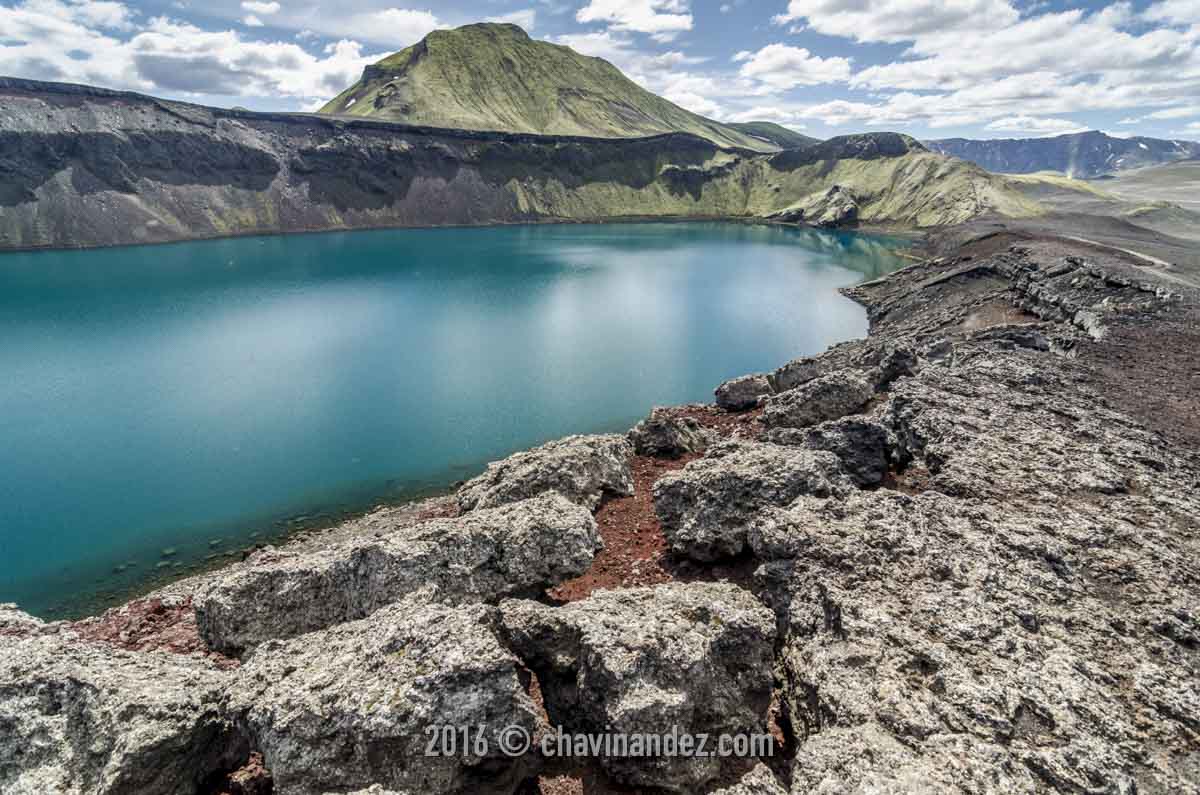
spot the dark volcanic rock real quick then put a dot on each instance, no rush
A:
(514, 550)
(581, 468)
(89, 719)
(695, 658)
(863, 446)
(825, 398)
(354, 705)
(745, 392)
(665, 435)
(706, 507)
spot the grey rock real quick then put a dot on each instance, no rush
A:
(833, 208)
(759, 780)
(745, 392)
(666, 436)
(514, 550)
(15, 623)
(825, 398)
(797, 372)
(863, 446)
(353, 706)
(894, 362)
(706, 507)
(88, 719)
(647, 660)
(581, 468)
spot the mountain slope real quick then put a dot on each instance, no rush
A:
(775, 134)
(495, 77)
(1079, 155)
(82, 166)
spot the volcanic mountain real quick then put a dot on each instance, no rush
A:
(495, 77)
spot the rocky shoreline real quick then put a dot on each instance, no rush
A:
(959, 555)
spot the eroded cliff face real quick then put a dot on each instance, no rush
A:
(86, 167)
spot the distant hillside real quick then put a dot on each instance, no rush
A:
(83, 166)
(495, 77)
(1079, 155)
(776, 134)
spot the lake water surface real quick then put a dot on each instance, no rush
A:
(163, 404)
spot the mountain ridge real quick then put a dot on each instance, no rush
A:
(1080, 155)
(492, 76)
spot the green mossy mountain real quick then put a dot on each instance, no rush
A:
(775, 134)
(495, 77)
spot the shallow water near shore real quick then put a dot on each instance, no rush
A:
(161, 406)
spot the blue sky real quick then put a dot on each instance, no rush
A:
(932, 68)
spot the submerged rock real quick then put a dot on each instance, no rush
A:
(89, 719)
(825, 398)
(356, 706)
(581, 468)
(746, 392)
(664, 435)
(706, 507)
(695, 658)
(514, 550)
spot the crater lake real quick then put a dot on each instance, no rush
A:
(162, 406)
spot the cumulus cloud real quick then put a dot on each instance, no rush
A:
(257, 7)
(525, 18)
(252, 21)
(62, 40)
(1034, 126)
(664, 19)
(897, 21)
(782, 67)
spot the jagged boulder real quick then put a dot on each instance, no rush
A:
(863, 446)
(88, 719)
(797, 372)
(895, 361)
(354, 705)
(695, 658)
(581, 468)
(706, 507)
(825, 398)
(665, 435)
(518, 549)
(744, 392)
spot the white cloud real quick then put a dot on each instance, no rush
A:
(1166, 113)
(401, 26)
(169, 57)
(662, 18)
(252, 21)
(1178, 12)
(897, 20)
(1034, 126)
(695, 103)
(258, 7)
(782, 67)
(525, 18)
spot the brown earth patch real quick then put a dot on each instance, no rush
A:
(151, 624)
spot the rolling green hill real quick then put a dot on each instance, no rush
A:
(495, 77)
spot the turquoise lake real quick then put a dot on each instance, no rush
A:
(192, 399)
